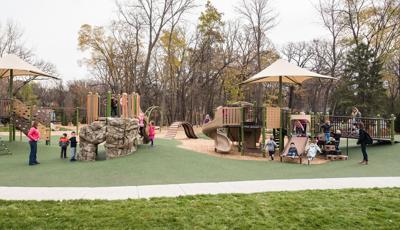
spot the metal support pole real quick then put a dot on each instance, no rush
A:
(10, 94)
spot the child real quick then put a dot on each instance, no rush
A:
(270, 147)
(337, 137)
(327, 130)
(312, 150)
(63, 144)
(141, 124)
(73, 142)
(298, 127)
(152, 133)
(292, 150)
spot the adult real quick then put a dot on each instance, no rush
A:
(33, 136)
(363, 140)
(355, 115)
(207, 119)
(114, 107)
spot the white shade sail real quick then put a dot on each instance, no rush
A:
(20, 67)
(290, 74)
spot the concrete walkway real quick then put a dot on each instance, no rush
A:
(175, 190)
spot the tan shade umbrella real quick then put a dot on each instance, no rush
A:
(11, 65)
(288, 72)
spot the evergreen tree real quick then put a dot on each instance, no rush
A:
(362, 84)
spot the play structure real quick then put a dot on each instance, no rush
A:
(174, 127)
(118, 127)
(240, 124)
(247, 126)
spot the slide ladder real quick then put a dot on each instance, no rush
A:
(173, 130)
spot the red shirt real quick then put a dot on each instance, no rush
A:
(33, 134)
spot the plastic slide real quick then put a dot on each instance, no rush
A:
(222, 142)
(300, 143)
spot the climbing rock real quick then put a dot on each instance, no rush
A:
(120, 135)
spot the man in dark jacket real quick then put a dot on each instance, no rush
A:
(363, 140)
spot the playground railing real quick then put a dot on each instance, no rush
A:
(378, 128)
(231, 116)
(4, 108)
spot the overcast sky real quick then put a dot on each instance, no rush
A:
(51, 26)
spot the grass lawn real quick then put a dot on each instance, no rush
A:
(168, 164)
(327, 209)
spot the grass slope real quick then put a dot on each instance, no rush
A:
(329, 209)
(166, 163)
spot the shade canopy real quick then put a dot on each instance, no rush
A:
(20, 67)
(288, 72)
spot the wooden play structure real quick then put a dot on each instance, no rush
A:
(173, 129)
(128, 106)
(244, 125)
(240, 124)
(22, 116)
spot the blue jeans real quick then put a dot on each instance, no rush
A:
(73, 152)
(32, 154)
(327, 137)
(364, 151)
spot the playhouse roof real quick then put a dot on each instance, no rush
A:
(290, 73)
(20, 67)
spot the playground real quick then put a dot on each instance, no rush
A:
(166, 163)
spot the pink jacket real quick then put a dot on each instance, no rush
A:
(33, 134)
(152, 131)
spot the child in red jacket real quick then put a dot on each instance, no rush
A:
(64, 142)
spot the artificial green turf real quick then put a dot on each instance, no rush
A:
(167, 164)
(326, 209)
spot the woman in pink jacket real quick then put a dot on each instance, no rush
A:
(33, 136)
(152, 132)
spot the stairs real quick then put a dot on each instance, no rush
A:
(173, 130)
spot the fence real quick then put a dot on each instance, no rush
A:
(378, 128)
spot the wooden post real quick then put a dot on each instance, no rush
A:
(119, 105)
(392, 131)
(77, 121)
(378, 126)
(242, 131)
(289, 123)
(312, 124)
(263, 130)
(280, 92)
(281, 141)
(108, 107)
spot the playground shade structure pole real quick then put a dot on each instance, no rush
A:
(281, 144)
(10, 94)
